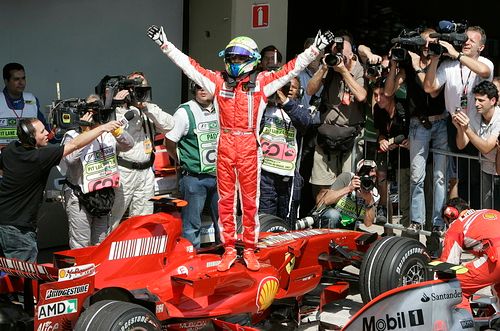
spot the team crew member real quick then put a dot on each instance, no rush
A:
(240, 96)
(193, 142)
(26, 166)
(478, 232)
(15, 103)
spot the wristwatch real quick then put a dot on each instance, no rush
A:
(459, 56)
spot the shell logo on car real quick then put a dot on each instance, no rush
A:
(268, 288)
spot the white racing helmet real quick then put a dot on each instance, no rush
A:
(243, 47)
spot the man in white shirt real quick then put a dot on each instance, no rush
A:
(482, 135)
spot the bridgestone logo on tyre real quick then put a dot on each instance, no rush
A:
(133, 320)
(415, 250)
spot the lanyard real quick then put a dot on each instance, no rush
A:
(464, 91)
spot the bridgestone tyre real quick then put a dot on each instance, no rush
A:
(390, 263)
(268, 223)
(117, 316)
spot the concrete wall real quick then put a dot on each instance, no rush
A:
(77, 42)
(213, 23)
(275, 34)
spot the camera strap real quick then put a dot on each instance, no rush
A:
(149, 133)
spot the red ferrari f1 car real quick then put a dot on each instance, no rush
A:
(145, 276)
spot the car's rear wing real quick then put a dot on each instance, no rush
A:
(18, 268)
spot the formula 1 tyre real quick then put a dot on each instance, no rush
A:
(390, 263)
(269, 223)
(117, 316)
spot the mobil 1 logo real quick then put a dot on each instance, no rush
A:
(399, 321)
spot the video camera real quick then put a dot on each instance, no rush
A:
(454, 33)
(406, 41)
(109, 86)
(66, 114)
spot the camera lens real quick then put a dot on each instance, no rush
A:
(399, 54)
(367, 183)
(333, 59)
(435, 49)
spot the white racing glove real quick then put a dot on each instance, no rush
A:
(322, 40)
(157, 35)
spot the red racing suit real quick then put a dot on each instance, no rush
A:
(240, 110)
(478, 232)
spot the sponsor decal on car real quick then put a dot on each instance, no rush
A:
(138, 247)
(57, 308)
(52, 294)
(401, 320)
(160, 308)
(47, 326)
(268, 288)
(182, 270)
(467, 324)
(441, 296)
(77, 272)
(213, 263)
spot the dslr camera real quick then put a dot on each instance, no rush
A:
(367, 181)
(65, 114)
(333, 59)
(406, 41)
(109, 86)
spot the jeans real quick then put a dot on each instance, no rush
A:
(490, 191)
(275, 194)
(197, 190)
(18, 244)
(420, 140)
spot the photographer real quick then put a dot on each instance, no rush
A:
(282, 126)
(91, 177)
(427, 125)
(354, 197)
(135, 165)
(341, 111)
(26, 165)
(457, 75)
(391, 121)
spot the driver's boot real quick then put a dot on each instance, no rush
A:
(250, 259)
(228, 259)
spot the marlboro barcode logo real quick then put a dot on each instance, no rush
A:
(24, 269)
(291, 236)
(138, 247)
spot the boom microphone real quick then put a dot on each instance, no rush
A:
(447, 26)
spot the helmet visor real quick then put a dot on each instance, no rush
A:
(237, 50)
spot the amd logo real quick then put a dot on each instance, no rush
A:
(402, 320)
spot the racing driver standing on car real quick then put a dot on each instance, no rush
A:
(240, 96)
(477, 232)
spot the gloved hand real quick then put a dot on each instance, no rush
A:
(322, 40)
(157, 35)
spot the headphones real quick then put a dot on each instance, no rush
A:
(26, 132)
(451, 213)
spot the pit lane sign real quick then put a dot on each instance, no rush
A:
(260, 16)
